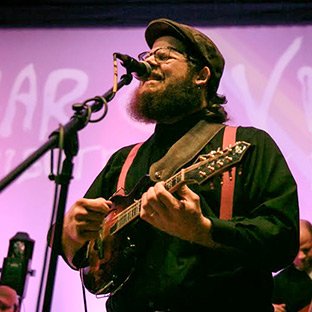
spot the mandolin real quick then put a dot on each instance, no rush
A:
(111, 257)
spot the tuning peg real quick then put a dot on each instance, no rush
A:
(202, 174)
(201, 158)
(211, 168)
(220, 163)
(228, 158)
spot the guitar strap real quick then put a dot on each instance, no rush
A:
(179, 154)
(182, 152)
(228, 179)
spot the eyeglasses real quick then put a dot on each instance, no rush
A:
(162, 55)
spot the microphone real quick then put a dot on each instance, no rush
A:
(141, 70)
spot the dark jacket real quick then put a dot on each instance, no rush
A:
(170, 274)
(292, 287)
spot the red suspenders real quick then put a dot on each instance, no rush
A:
(124, 170)
(227, 188)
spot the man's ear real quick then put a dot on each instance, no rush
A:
(202, 76)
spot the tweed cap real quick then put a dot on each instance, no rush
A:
(198, 44)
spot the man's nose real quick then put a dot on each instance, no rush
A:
(151, 60)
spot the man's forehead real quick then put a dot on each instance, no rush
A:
(305, 241)
(169, 41)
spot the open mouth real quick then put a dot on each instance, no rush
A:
(154, 76)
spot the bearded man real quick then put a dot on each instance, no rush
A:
(184, 253)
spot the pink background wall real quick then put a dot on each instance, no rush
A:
(267, 80)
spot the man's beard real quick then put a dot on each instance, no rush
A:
(171, 104)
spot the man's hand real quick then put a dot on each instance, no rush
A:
(82, 223)
(179, 216)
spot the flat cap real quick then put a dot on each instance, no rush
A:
(198, 44)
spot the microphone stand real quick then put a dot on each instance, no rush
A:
(69, 135)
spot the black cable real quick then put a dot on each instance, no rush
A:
(84, 298)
